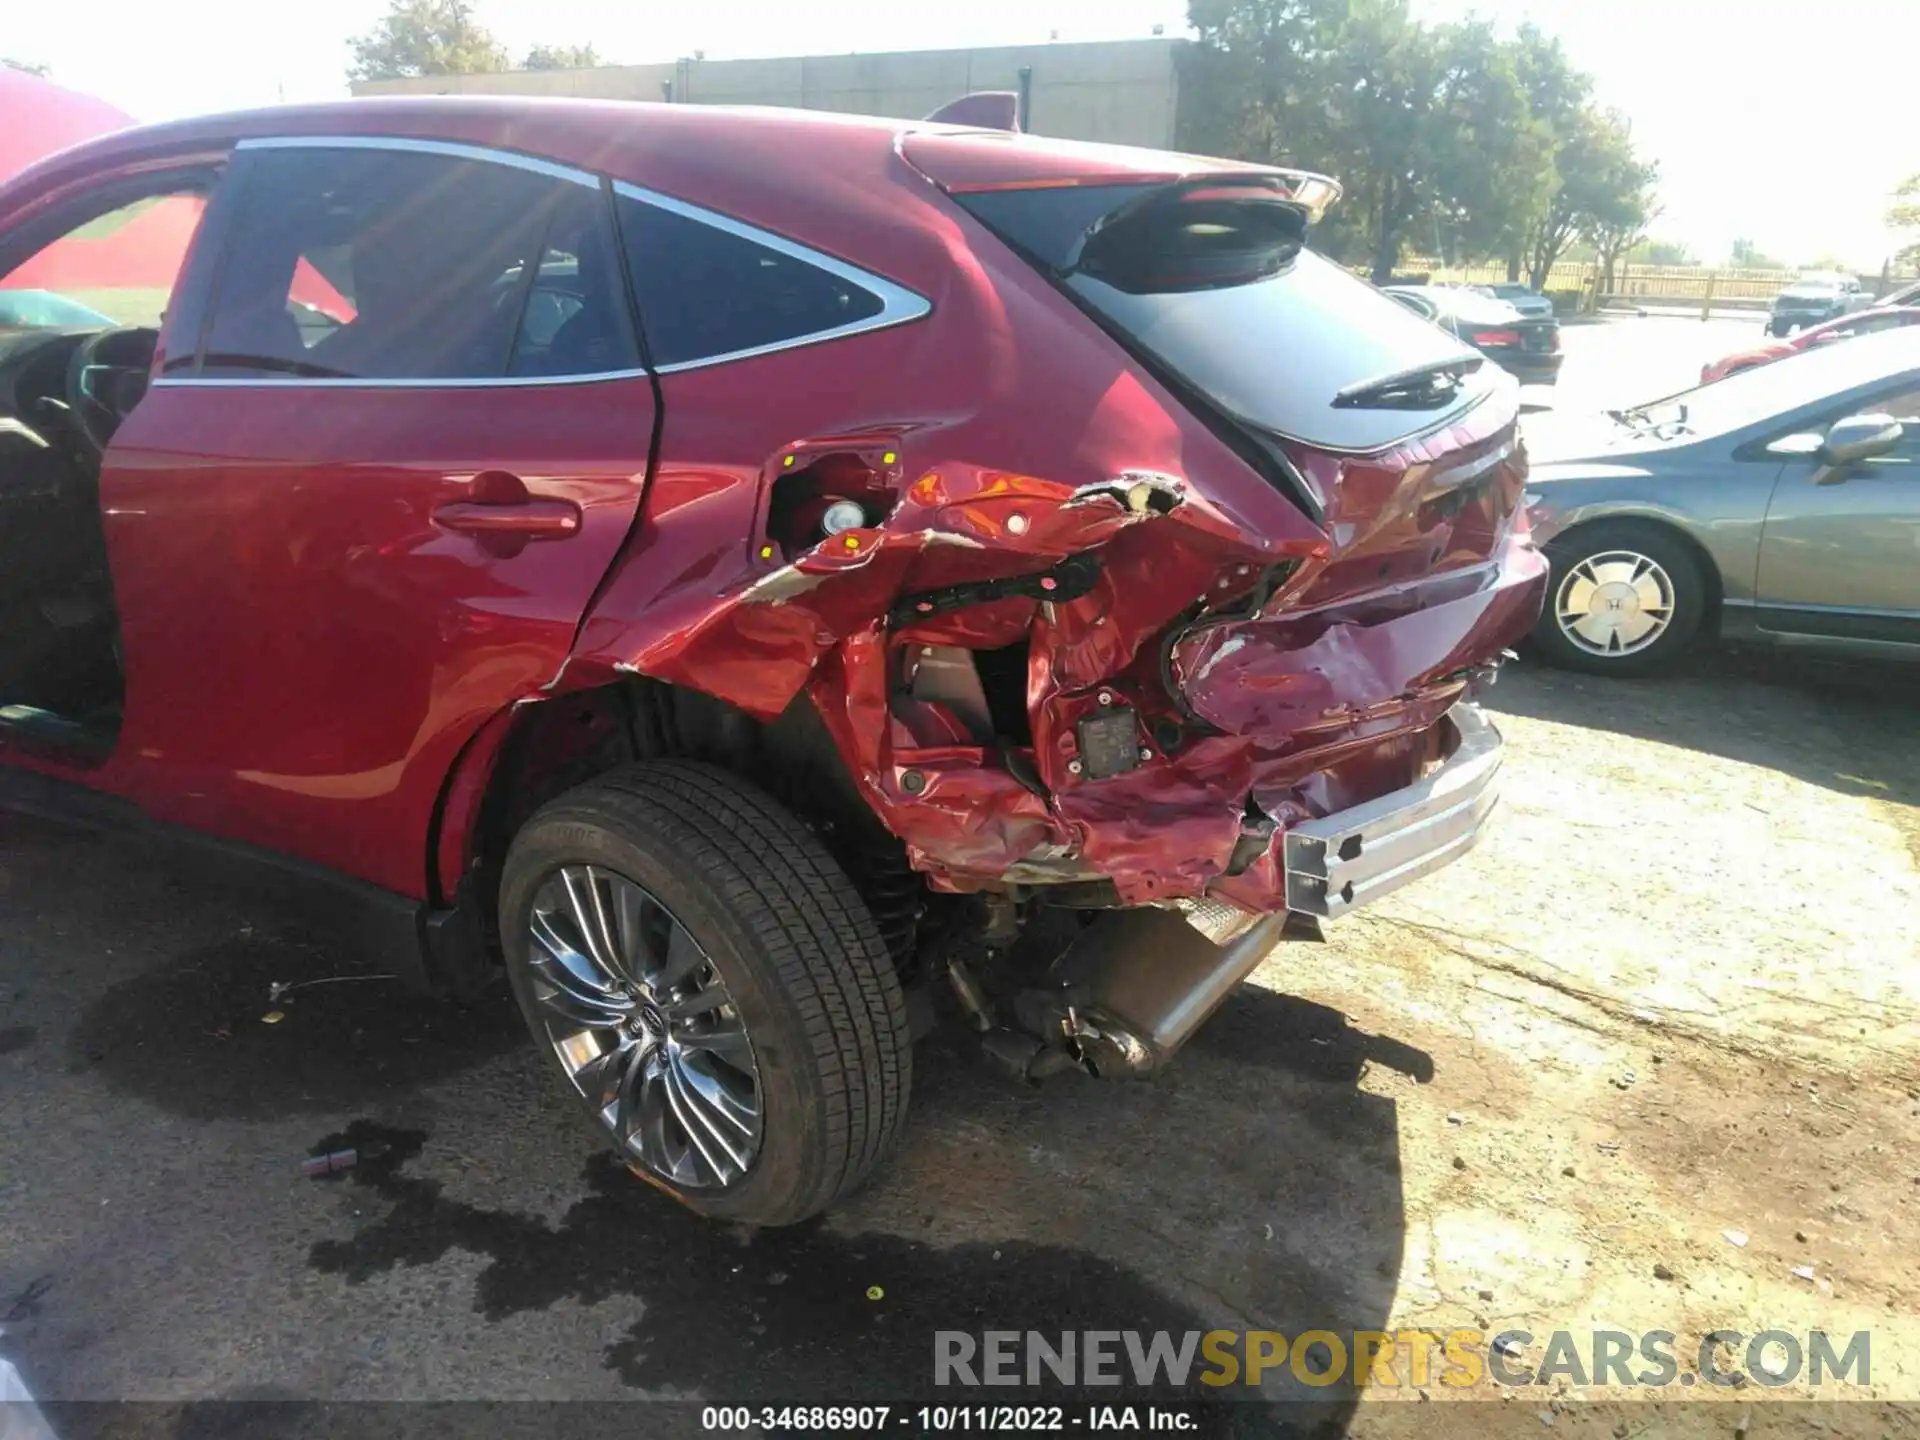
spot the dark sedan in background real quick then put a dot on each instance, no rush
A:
(1780, 504)
(1526, 346)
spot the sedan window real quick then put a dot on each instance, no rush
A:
(372, 264)
(710, 289)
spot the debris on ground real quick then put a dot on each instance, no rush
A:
(1803, 1272)
(1567, 1170)
(1454, 1117)
(1459, 1162)
(1662, 1272)
(273, 1017)
(1737, 1238)
(329, 1163)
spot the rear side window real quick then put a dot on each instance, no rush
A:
(1214, 290)
(712, 289)
(378, 264)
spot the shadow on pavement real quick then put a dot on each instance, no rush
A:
(194, 1036)
(1850, 727)
(1265, 1028)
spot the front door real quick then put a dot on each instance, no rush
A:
(1840, 555)
(365, 507)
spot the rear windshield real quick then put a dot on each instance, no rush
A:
(1268, 331)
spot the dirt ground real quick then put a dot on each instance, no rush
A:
(1674, 997)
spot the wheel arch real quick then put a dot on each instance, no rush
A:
(538, 748)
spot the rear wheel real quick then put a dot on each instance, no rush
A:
(1779, 327)
(711, 988)
(1624, 598)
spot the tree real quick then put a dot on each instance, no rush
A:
(1491, 159)
(1747, 256)
(425, 37)
(1557, 96)
(1619, 204)
(1661, 252)
(27, 67)
(561, 57)
(1903, 217)
(1604, 187)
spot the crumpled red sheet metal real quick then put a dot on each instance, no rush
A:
(1328, 694)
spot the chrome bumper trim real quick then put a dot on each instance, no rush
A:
(1353, 857)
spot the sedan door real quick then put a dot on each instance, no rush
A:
(367, 508)
(1840, 554)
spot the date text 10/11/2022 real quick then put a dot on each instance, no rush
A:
(843, 1419)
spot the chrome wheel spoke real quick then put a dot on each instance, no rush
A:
(711, 1127)
(702, 1001)
(645, 1027)
(725, 1037)
(589, 908)
(574, 984)
(684, 956)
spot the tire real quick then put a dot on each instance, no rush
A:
(811, 1015)
(1779, 328)
(1647, 567)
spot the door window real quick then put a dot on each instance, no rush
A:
(373, 264)
(117, 268)
(712, 289)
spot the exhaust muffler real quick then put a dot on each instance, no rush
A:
(1136, 984)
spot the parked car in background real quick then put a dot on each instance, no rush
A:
(1527, 347)
(572, 533)
(1524, 298)
(1780, 504)
(1864, 322)
(1814, 298)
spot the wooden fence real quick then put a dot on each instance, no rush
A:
(1652, 282)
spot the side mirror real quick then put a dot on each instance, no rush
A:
(1860, 437)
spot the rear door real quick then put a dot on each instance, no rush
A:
(366, 502)
(1840, 555)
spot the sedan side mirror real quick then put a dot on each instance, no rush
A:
(1860, 437)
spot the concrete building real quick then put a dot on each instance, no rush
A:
(1122, 91)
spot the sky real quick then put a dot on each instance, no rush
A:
(1786, 123)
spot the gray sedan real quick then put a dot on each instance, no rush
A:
(1781, 504)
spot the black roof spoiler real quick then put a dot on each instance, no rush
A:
(983, 110)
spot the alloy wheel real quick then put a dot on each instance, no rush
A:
(644, 1026)
(1614, 603)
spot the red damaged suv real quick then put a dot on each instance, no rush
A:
(734, 571)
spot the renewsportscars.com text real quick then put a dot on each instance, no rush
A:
(1459, 1359)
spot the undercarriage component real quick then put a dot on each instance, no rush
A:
(1069, 580)
(1136, 985)
(1109, 743)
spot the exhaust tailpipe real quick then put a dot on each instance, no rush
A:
(1136, 984)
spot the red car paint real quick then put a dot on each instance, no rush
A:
(315, 655)
(1858, 323)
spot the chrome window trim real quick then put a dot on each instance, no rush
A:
(454, 149)
(898, 305)
(343, 382)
